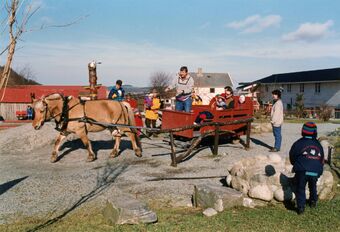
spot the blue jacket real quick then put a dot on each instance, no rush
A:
(306, 155)
(117, 94)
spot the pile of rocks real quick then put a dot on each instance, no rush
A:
(258, 128)
(270, 178)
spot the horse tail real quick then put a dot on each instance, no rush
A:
(132, 122)
(131, 116)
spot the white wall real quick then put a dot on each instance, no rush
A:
(205, 94)
(311, 99)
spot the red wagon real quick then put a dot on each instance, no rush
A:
(232, 122)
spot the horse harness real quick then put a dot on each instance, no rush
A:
(62, 123)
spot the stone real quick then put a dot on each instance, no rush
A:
(274, 158)
(261, 158)
(325, 145)
(228, 180)
(248, 162)
(240, 184)
(237, 170)
(284, 194)
(248, 202)
(257, 179)
(216, 196)
(209, 212)
(261, 192)
(327, 178)
(326, 193)
(127, 210)
(273, 188)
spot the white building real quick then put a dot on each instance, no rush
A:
(318, 87)
(207, 85)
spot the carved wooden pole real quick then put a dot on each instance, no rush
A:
(93, 80)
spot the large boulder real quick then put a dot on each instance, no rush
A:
(124, 209)
(284, 194)
(216, 197)
(261, 192)
(240, 184)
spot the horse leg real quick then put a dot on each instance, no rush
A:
(132, 136)
(83, 136)
(57, 144)
(115, 149)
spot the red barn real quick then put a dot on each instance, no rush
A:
(18, 97)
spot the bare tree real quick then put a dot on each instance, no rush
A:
(16, 27)
(27, 73)
(17, 15)
(160, 81)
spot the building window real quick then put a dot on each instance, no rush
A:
(302, 88)
(212, 90)
(267, 89)
(289, 88)
(317, 87)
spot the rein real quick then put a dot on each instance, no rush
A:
(61, 124)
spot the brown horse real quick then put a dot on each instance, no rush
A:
(67, 111)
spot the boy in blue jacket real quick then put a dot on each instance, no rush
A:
(117, 92)
(307, 158)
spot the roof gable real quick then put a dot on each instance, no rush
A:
(211, 80)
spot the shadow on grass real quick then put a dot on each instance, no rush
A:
(10, 184)
(104, 181)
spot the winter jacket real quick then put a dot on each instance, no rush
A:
(116, 94)
(276, 115)
(183, 87)
(306, 155)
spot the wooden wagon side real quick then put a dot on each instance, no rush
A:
(236, 121)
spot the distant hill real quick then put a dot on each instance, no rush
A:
(17, 79)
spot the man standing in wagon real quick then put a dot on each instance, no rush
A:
(184, 84)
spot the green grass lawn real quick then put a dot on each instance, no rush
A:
(271, 218)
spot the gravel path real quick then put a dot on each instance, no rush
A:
(32, 186)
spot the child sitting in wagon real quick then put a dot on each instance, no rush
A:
(220, 103)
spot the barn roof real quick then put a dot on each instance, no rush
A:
(321, 75)
(22, 93)
(212, 80)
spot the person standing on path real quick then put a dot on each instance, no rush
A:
(276, 119)
(307, 158)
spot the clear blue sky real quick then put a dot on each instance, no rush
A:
(135, 38)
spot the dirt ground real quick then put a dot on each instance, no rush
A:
(32, 186)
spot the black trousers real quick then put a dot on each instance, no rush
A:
(301, 180)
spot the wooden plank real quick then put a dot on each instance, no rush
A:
(216, 140)
(173, 154)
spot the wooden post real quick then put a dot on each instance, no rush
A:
(173, 155)
(216, 140)
(248, 135)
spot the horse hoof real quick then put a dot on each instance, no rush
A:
(114, 154)
(138, 152)
(90, 159)
(54, 159)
